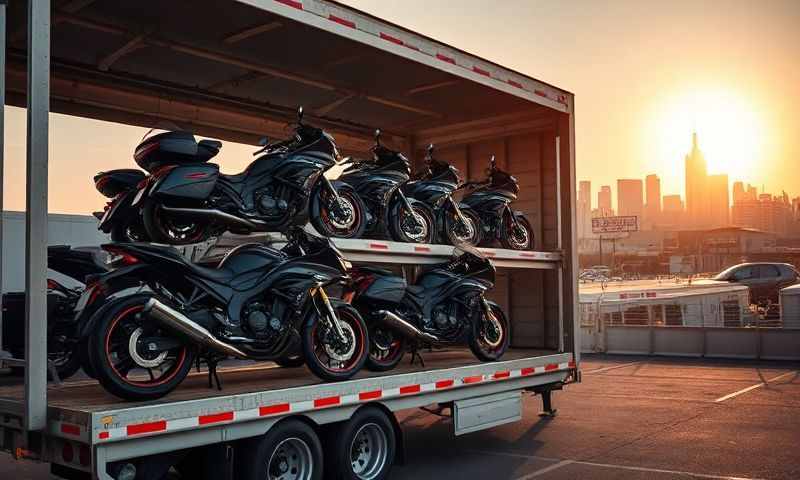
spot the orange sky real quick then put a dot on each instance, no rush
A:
(645, 74)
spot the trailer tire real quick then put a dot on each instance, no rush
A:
(290, 445)
(362, 448)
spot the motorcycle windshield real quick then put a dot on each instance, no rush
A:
(468, 260)
(504, 181)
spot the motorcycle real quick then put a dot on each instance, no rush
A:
(434, 187)
(446, 305)
(119, 218)
(390, 214)
(491, 199)
(63, 351)
(258, 304)
(186, 200)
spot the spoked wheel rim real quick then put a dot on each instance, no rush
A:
(463, 232)
(384, 346)
(344, 218)
(178, 231)
(416, 225)
(332, 353)
(369, 451)
(291, 460)
(129, 358)
(492, 331)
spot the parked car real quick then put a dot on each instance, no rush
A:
(764, 279)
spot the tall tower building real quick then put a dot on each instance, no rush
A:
(739, 193)
(672, 214)
(630, 198)
(652, 208)
(604, 201)
(697, 202)
(584, 209)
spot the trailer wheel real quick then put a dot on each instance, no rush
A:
(290, 450)
(362, 448)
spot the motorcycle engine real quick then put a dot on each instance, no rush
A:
(445, 321)
(270, 203)
(261, 323)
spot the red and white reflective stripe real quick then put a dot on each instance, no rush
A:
(292, 3)
(329, 401)
(342, 21)
(378, 246)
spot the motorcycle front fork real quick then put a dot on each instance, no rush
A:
(332, 317)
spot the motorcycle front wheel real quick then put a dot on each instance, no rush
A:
(417, 226)
(490, 336)
(458, 232)
(170, 229)
(120, 354)
(345, 219)
(516, 237)
(332, 358)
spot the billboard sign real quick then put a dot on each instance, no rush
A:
(615, 224)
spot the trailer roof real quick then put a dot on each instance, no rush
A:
(237, 70)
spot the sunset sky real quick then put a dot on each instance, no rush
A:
(645, 74)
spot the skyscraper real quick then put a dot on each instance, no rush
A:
(672, 214)
(697, 202)
(604, 201)
(739, 193)
(584, 209)
(652, 209)
(630, 199)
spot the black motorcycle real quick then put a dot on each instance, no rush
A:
(186, 201)
(390, 214)
(434, 186)
(259, 304)
(492, 200)
(119, 218)
(446, 305)
(63, 341)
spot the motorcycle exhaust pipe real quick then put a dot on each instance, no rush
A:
(211, 214)
(180, 323)
(402, 326)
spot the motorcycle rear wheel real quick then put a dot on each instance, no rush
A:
(386, 349)
(162, 228)
(115, 354)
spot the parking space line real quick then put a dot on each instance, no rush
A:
(546, 469)
(753, 387)
(634, 468)
(605, 369)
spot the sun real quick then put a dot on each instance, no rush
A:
(729, 128)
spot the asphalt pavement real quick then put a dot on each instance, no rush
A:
(631, 418)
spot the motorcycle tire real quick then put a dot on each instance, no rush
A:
(114, 326)
(157, 227)
(477, 228)
(507, 237)
(483, 350)
(327, 226)
(122, 234)
(385, 359)
(398, 217)
(318, 353)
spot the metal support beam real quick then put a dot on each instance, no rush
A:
(432, 86)
(3, 31)
(326, 109)
(132, 45)
(36, 215)
(251, 32)
(235, 81)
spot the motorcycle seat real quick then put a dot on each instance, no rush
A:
(237, 178)
(221, 275)
(416, 291)
(384, 272)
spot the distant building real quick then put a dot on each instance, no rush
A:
(604, 202)
(672, 212)
(630, 199)
(584, 210)
(652, 208)
(718, 201)
(697, 204)
(768, 213)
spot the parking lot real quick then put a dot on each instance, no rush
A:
(631, 418)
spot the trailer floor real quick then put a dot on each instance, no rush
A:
(238, 378)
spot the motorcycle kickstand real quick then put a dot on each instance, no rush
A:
(415, 354)
(212, 373)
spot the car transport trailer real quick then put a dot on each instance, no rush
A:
(236, 71)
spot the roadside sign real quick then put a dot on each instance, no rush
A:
(615, 224)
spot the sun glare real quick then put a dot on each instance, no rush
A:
(729, 129)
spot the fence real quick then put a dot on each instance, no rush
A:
(699, 326)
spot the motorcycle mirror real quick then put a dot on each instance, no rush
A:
(492, 163)
(300, 115)
(263, 141)
(377, 137)
(429, 155)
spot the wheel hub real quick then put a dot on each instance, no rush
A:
(342, 214)
(369, 452)
(291, 460)
(340, 350)
(415, 226)
(134, 345)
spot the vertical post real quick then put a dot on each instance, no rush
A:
(36, 215)
(568, 195)
(560, 247)
(3, 34)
